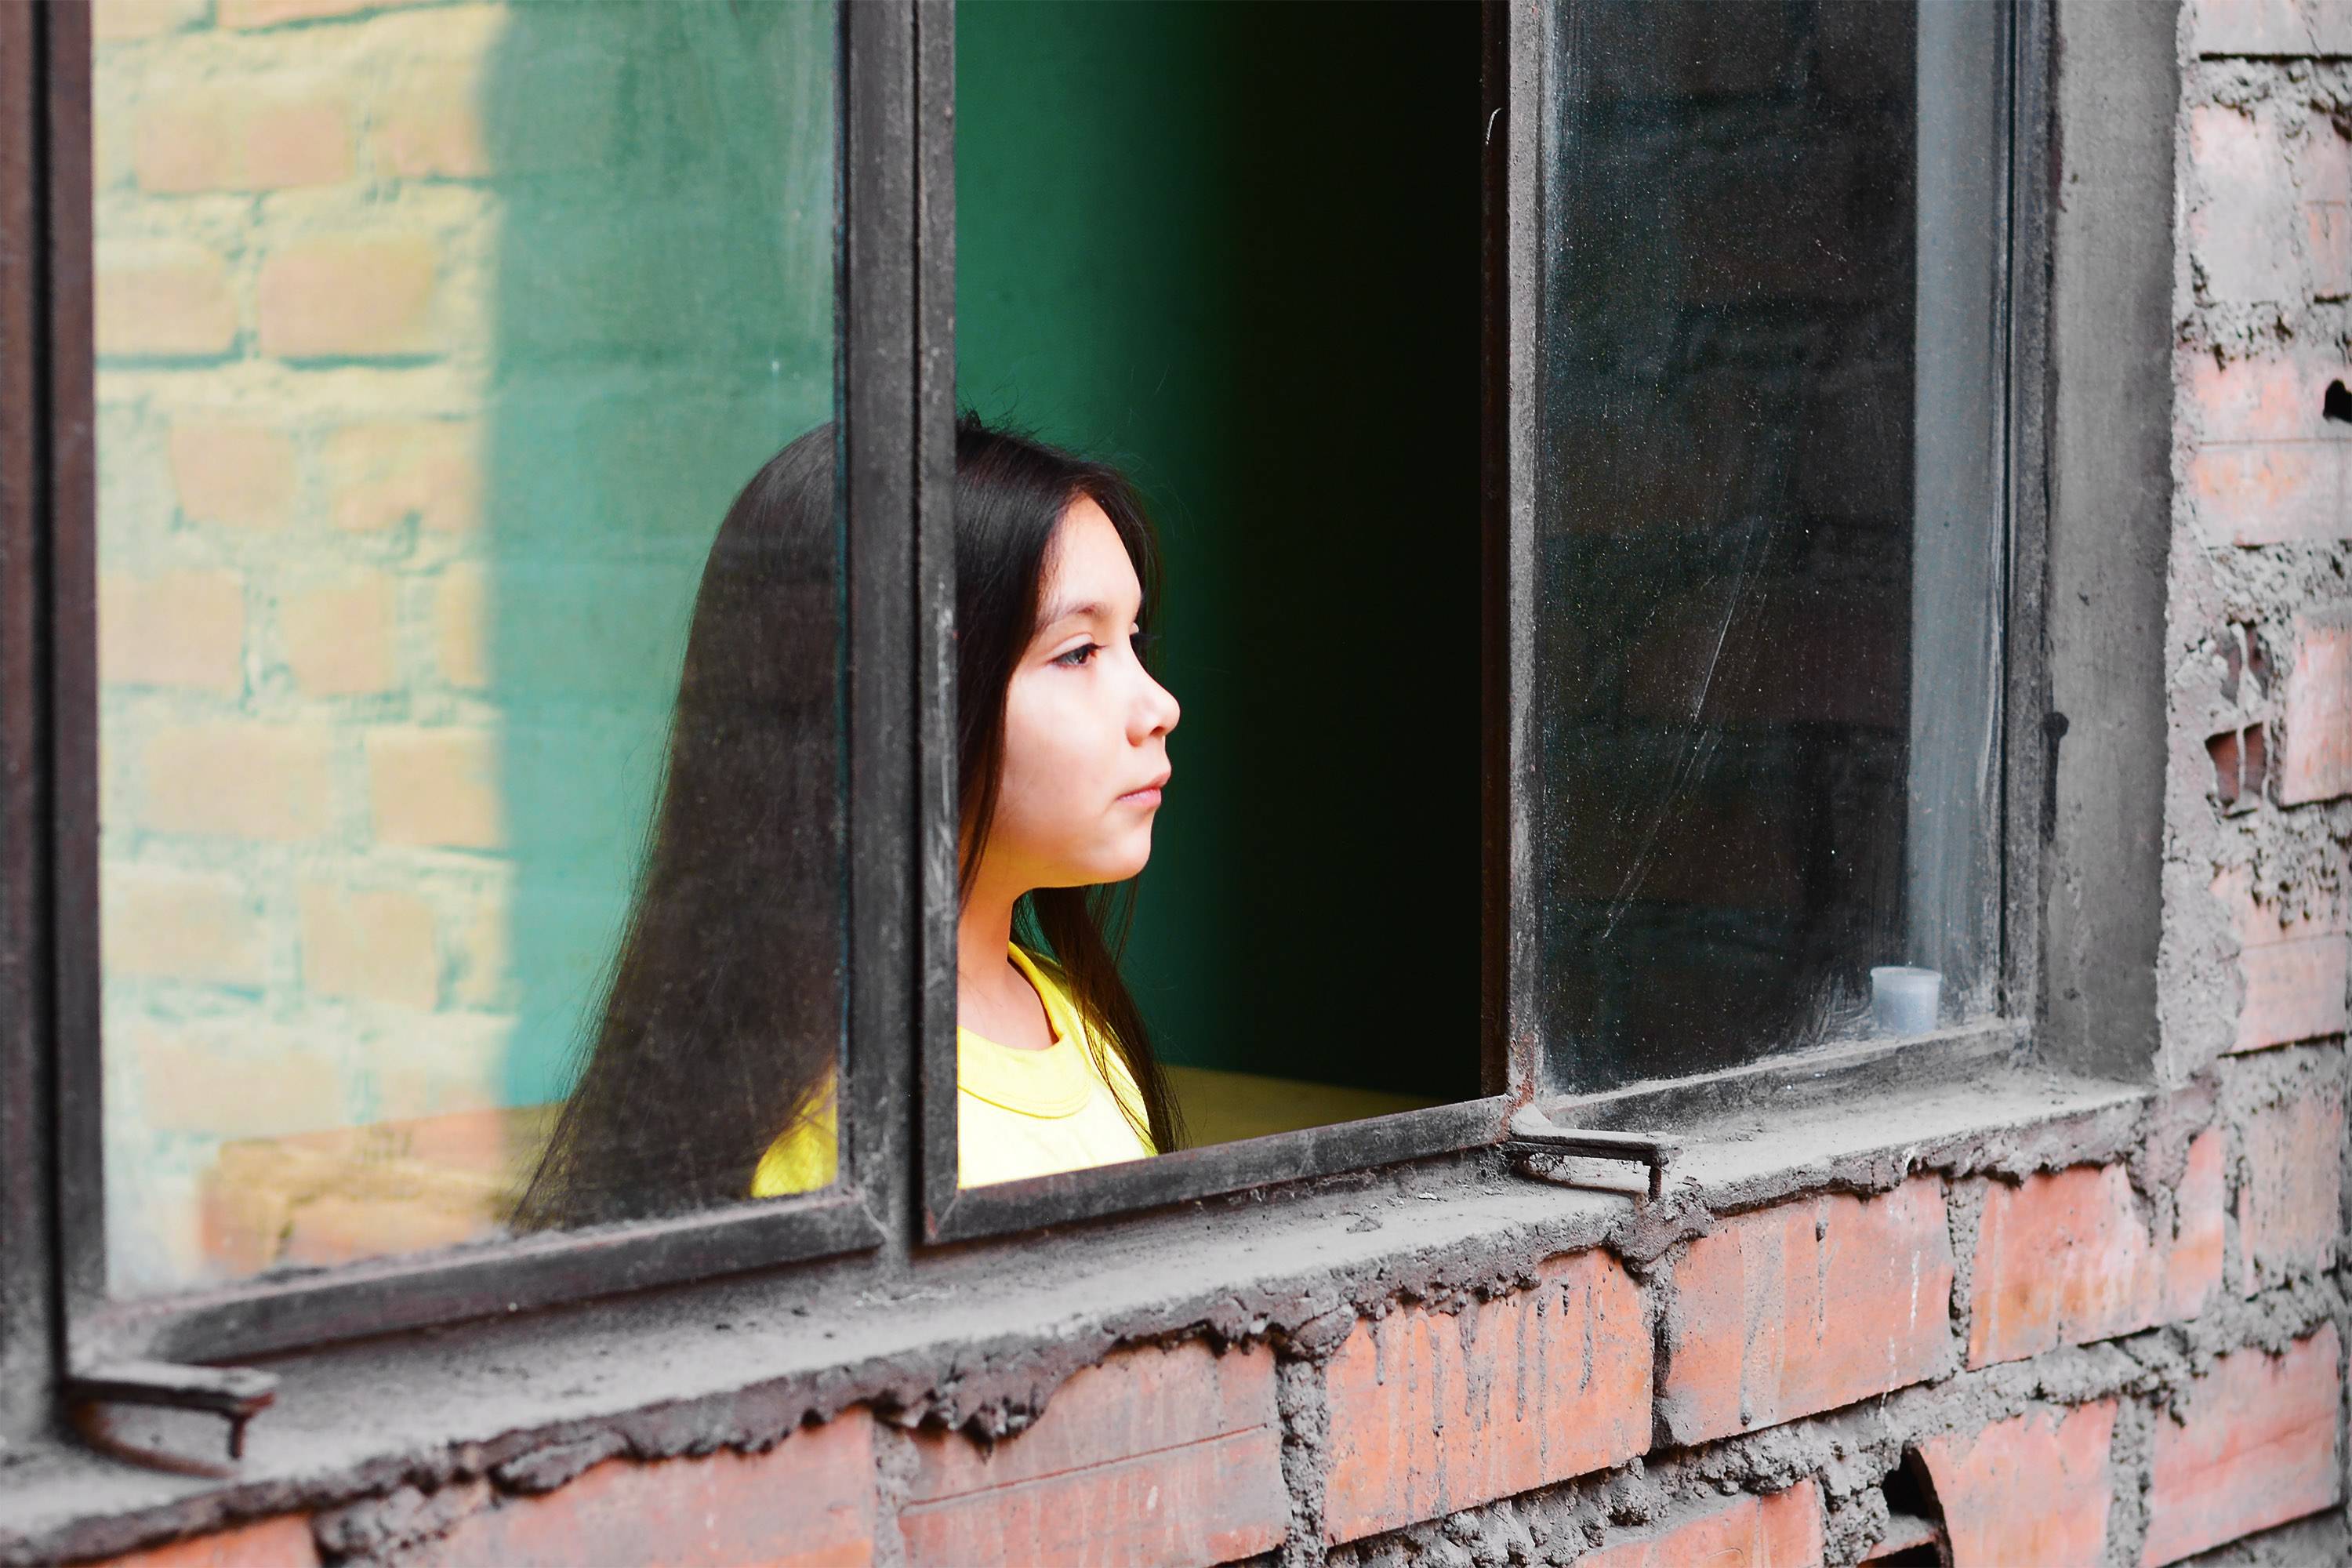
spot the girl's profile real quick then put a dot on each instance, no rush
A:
(711, 1073)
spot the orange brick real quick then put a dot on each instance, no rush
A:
(808, 1502)
(1431, 1411)
(2032, 1490)
(1159, 1456)
(2069, 1256)
(211, 141)
(2253, 1446)
(181, 925)
(2290, 1207)
(437, 787)
(1805, 1307)
(184, 629)
(166, 300)
(338, 639)
(1782, 1531)
(233, 473)
(461, 601)
(2315, 752)
(2192, 1264)
(238, 779)
(329, 1230)
(375, 946)
(381, 475)
(2296, 972)
(119, 21)
(429, 124)
(224, 1083)
(281, 1543)
(2265, 467)
(357, 297)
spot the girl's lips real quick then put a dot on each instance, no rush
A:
(1148, 795)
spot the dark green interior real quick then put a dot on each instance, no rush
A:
(1235, 249)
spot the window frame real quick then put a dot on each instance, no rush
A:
(895, 383)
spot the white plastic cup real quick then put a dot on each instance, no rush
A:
(1903, 999)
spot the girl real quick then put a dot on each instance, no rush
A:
(710, 1077)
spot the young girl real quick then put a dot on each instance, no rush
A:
(710, 1077)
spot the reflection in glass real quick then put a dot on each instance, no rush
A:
(433, 345)
(1767, 531)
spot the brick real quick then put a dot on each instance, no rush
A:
(2315, 750)
(163, 299)
(461, 601)
(348, 298)
(181, 925)
(245, 141)
(2266, 468)
(2325, 164)
(2290, 1203)
(281, 1543)
(339, 639)
(2192, 1264)
(1805, 1307)
(178, 629)
(238, 779)
(381, 475)
(435, 786)
(2249, 27)
(120, 21)
(373, 946)
(233, 473)
(1432, 1412)
(2253, 1445)
(2238, 222)
(2034, 1488)
(1779, 1530)
(429, 124)
(2296, 972)
(808, 1502)
(1157, 1455)
(2064, 1257)
(273, 12)
(232, 1081)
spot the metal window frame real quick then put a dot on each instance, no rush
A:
(48, 682)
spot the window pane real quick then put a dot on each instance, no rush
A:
(433, 346)
(1770, 527)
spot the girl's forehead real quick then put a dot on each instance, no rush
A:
(1088, 564)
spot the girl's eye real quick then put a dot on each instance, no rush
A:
(1078, 656)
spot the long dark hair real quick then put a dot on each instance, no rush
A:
(725, 1001)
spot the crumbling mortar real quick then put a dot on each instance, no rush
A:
(2130, 1460)
(895, 1465)
(1303, 1404)
(1964, 1206)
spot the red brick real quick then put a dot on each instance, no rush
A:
(2032, 1490)
(1157, 1455)
(2192, 1264)
(1805, 1307)
(2067, 1256)
(362, 298)
(1782, 1531)
(2265, 467)
(281, 1543)
(2249, 27)
(2251, 1445)
(2239, 224)
(2315, 753)
(806, 1503)
(2296, 972)
(1432, 1412)
(2290, 1208)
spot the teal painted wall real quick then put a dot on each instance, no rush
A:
(1235, 249)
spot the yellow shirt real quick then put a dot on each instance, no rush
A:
(1018, 1113)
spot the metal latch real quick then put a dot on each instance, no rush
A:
(235, 1394)
(1533, 1133)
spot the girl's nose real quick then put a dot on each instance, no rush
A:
(1157, 712)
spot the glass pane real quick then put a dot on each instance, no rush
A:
(1231, 252)
(1769, 528)
(433, 347)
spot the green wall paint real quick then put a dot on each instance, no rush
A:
(1235, 249)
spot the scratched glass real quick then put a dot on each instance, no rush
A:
(433, 346)
(1770, 529)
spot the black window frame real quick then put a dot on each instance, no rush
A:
(895, 392)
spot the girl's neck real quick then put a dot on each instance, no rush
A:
(994, 999)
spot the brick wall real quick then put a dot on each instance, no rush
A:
(433, 339)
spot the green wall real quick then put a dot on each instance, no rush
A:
(1235, 249)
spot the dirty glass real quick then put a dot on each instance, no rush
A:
(434, 345)
(1769, 528)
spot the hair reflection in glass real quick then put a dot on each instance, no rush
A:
(725, 1003)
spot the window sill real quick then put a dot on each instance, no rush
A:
(981, 1333)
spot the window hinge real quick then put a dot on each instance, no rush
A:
(235, 1394)
(1533, 1133)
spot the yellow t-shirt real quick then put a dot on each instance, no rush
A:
(1018, 1113)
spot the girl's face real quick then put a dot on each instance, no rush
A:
(1085, 729)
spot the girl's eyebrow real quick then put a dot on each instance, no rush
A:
(1090, 610)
